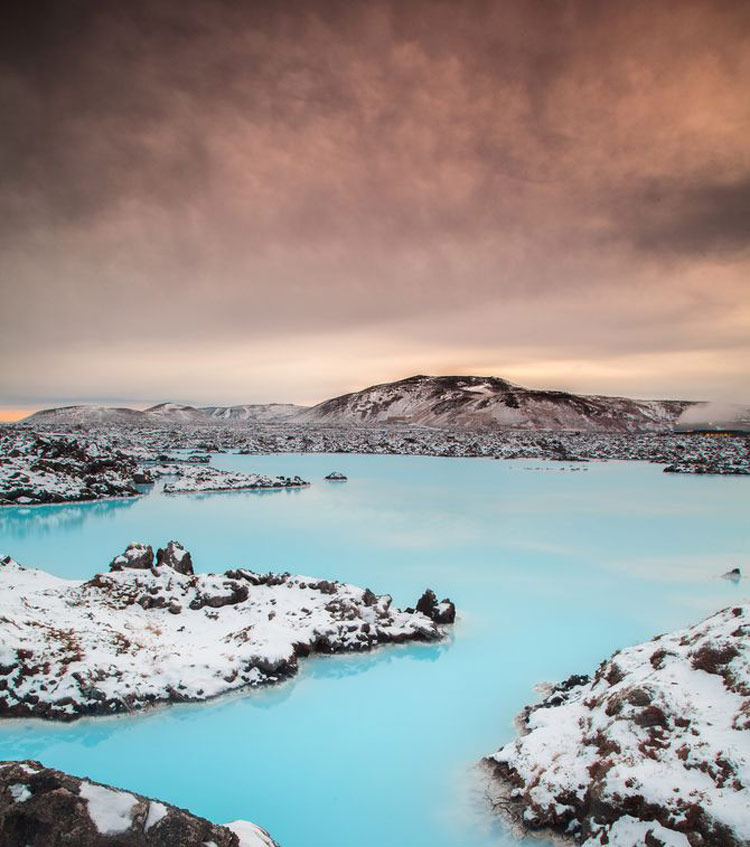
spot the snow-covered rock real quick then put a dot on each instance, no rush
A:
(136, 555)
(726, 466)
(41, 469)
(42, 807)
(654, 749)
(134, 637)
(442, 612)
(204, 479)
(175, 556)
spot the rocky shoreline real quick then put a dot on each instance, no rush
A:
(71, 465)
(37, 469)
(651, 750)
(43, 807)
(153, 632)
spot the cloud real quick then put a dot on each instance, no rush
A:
(206, 175)
(692, 220)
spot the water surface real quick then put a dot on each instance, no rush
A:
(552, 569)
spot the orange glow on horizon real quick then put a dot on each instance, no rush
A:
(8, 415)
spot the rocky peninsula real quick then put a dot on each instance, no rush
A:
(652, 750)
(152, 631)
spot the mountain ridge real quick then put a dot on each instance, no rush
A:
(493, 403)
(465, 402)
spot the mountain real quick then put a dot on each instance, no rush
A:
(465, 402)
(68, 415)
(164, 413)
(260, 413)
(473, 402)
(175, 413)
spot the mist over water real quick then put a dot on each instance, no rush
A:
(552, 567)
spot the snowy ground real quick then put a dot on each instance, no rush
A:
(658, 741)
(141, 635)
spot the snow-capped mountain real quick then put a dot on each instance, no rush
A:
(490, 403)
(165, 413)
(175, 412)
(83, 414)
(259, 412)
(462, 402)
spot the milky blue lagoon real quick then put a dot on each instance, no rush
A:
(551, 569)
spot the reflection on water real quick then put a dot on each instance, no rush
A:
(550, 571)
(33, 521)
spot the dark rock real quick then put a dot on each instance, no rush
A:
(41, 807)
(136, 555)
(236, 593)
(735, 574)
(175, 556)
(442, 612)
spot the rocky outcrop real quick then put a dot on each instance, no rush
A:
(40, 469)
(335, 476)
(652, 750)
(42, 807)
(141, 635)
(136, 555)
(719, 465)
(442, 612)
(205, 479)
(175, 556)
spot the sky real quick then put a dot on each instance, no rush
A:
(215, 201)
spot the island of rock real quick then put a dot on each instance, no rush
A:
(152, 631)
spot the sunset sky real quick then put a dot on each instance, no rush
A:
(210, 201)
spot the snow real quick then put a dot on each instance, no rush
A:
(662, 725)
(250, 835)
(156, 812)
(110, 810)
(628, 831)
(19, 792)
(130, 638)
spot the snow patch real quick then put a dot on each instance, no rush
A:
(110, 810)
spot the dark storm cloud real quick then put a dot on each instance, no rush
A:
(258, 170)
(712, 218)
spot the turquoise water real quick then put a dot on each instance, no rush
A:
(551, 570)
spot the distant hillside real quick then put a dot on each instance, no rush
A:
(165, 414)
(174, 412)
(490, 403)
(68, 415)
(262, 413)
(467, 402)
